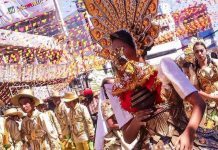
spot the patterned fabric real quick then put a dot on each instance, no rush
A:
(163, 130)
(38, 132)
(81, 123)
(208, 81)
(112, 141)
(208, 78)
(62, 114)
(170, 123)
(13, 129)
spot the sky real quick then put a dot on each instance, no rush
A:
(67, 7)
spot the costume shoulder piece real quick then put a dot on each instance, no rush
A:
(134, 16)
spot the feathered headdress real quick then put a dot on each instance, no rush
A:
(134, 16)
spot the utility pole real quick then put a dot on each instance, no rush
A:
(60, 17)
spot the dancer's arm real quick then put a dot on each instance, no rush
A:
(189, 93)
(187, 137)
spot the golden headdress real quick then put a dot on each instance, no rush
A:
(134, 16)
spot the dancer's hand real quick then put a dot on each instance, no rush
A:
(185, 141)
(132, 128)
(140, 116)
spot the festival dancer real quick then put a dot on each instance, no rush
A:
(207, 76)
(153, 99)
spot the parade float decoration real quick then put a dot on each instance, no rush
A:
(35, 53)
(29, 60)
(191, 20)
(166, 23)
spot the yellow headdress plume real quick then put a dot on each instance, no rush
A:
(134, 16)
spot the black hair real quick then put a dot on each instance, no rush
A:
(89, 98)
(213, 55)
(106, 81)
(199, 43)
(126, 37)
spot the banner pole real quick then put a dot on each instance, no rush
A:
(60, 17)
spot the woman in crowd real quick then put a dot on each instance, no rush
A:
(207, 76)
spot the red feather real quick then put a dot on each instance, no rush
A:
(125, 98)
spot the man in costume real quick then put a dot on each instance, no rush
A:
(151, 100)
(43, 107)
(80, 121)
(12, 129)
(36, 126)
(62, 114)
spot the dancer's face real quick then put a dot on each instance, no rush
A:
(200, 52)
(129, 52)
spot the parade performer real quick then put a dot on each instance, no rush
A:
(43, 107)
(36, 126)
(153, 99)
(80, 121)
(207, 76)
(62, 114)
(12, 128)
